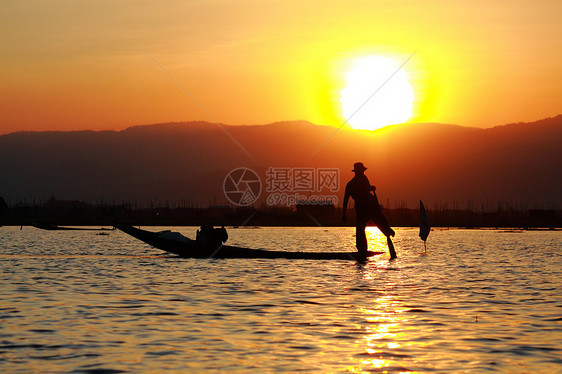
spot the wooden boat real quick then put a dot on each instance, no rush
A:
(178, 244)
(52, 227)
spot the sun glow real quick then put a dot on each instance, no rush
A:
(377, 94)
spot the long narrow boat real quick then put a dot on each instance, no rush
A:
(178, 244)
(51, 227)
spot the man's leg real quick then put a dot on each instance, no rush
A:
(390, 248)
(360, 237)
(382, 223)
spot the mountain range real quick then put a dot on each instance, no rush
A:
(517, 164)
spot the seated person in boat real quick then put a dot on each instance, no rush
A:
(211, 237)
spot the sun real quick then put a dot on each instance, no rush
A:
(377, 94)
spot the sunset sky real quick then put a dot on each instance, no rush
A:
(73, 65)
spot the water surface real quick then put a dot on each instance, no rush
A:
(479, 301)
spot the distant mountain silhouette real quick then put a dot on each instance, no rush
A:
(516, 163)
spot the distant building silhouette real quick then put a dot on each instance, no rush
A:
(53, 203)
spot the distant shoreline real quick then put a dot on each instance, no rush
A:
(316, 216)
(440, 228)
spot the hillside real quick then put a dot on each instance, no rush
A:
(515, 163)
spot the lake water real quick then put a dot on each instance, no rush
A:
(479, 301)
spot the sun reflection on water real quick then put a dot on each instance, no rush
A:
(381, 333)
(385, 340)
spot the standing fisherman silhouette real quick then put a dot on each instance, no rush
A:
(367, 209)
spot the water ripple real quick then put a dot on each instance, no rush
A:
(479, 301)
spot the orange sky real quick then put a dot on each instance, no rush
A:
(72, 65)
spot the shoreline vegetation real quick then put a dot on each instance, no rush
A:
(82, 214)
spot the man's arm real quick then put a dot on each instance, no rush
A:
(371, 187)
(345, 200)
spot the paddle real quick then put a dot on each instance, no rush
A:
(391, 248)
